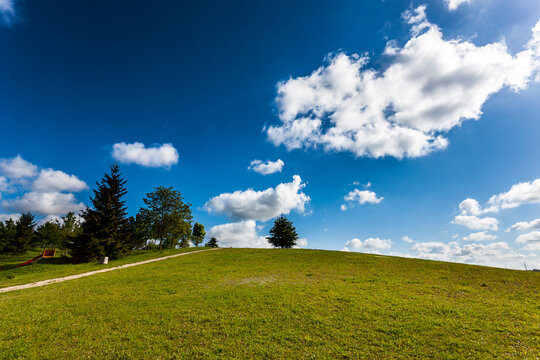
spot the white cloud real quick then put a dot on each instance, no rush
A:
(524, 225)
(136, 153)
(476, 223)
(407, 239)
(17, 168)
(50, 180)
(431, 86)
(45, 203)
(4, 184)
(453, 4)
(266, 168)
(519, 194)
(48, 218)
(7, 11)
(494, 254)
(261, 205)
(531, 237)
(361, 197)
(470, 207)
(14, 217)
(239, 234)
(301, 243)
(372, 245)
(479, 236)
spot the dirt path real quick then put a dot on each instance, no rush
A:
(72, 277)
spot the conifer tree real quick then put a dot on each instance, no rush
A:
(212, 242)
(283, 234)
(8, 232)
(105, 230)
(24, 233)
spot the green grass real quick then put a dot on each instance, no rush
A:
(276, 304)
(59, 266)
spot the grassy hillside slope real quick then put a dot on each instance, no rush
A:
(240, 303)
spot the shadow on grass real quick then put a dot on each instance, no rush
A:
(54, 261)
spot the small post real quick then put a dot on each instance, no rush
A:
(104, 260)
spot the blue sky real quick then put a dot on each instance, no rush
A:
(385, 115)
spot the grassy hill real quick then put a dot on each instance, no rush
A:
(248, 303)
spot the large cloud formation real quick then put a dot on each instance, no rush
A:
(430, 87)
(261, 205)
(136, 153)
(45, 192)
(240, 234)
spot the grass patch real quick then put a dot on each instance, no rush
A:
(60, 266)
(275, 304)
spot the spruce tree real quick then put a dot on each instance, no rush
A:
(24, 233)
(105, 230)
(212, 242)
(283, 234)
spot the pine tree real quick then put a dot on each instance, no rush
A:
(212, 242)
(283, 234)
(105, 230)
(24, 233)
(8, 232)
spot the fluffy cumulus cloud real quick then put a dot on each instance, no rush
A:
(494, 254)
(407, 239)
(361, 197)
(44, 192)
(531, 237)
(266, 168)
(524, 225)
(261, 205)
(371, 245)
(50, 180)
(4, 217)
(476, 223)
(453, 4)
(17, 168)
(431, 86)
(47, 203)
(241, 234)
(519, 194)
(136, 153)
(479, 236)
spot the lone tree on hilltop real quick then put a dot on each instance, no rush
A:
(168, 218)
(198, 234)
(212, 242)
(105, 230)
(282, 234)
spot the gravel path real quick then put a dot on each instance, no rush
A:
(73, 277)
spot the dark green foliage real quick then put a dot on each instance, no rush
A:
(138, 231)
(70, 228)
(212, 242)
(198, 234)
(282, 234)
(24, 233)
(49, 235)
(105, 230)
(168, 218)
(8, 233)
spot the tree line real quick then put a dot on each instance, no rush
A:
(105, 229)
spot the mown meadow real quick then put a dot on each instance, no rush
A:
(275, 304)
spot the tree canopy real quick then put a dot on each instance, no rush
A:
(198, 234)
(168, 218)
(105, 227)
(282, 234)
